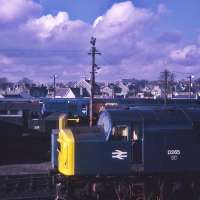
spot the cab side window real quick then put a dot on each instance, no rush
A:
(135, 135)
(119, 133)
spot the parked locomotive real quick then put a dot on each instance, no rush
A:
(27, 123)
(146, 152)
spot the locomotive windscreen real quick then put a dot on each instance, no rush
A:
(105, 122)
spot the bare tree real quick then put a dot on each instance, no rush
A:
(167, 79)
(4, 83)
(26, 82)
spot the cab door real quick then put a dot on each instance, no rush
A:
(137, 143)
(120, 148)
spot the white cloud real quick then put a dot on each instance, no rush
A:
(13, 10)
(46, 25)
(128, 38)
(5, 60)
(189, 55)
(97, 21)
(121, 17)
(55, 27)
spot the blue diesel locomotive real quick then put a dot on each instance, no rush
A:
(144, 152)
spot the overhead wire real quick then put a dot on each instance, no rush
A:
(39, 52)
(186, 73)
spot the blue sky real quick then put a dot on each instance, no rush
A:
(86, 10)
(137, 38)
(183, 15)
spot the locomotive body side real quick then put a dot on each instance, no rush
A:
(153, 148)
(171, 143)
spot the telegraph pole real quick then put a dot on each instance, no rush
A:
(93, 53)
(167, 79)
(54, 85)
(190, 86)
(166, 73)
(190, 82)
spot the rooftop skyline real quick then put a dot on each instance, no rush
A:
(136, 38)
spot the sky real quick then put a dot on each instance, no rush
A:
(137, 39)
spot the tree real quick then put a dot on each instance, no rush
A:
(5, 83)
(167, 79)
(26, 82)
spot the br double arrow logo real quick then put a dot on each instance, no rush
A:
(118, 154)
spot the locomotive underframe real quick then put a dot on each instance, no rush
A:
(182, 186)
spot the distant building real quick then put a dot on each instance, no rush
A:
(77, 93)
(107, 92)
(156, 91)
(71, 93)
(115, 90)
(140, 95)
(83, 84)
(86, 84)
(124, 89)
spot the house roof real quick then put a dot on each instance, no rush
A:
(96, 84)
(80, 92)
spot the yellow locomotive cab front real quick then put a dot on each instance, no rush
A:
(66, 149)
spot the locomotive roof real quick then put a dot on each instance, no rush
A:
(156, 114)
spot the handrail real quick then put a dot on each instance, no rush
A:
(63, 121)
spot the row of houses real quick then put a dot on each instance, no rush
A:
(82, 88)
(124, 89)
(120, 89)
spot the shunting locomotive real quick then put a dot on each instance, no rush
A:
(146, 152)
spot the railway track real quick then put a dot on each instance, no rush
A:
(27, 187)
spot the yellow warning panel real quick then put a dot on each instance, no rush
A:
(66, 149)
